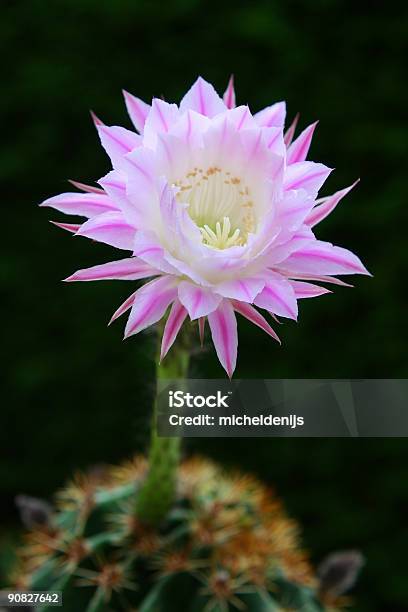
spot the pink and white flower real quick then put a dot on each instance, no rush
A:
(217, 207)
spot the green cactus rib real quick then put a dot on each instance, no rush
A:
(157, 493)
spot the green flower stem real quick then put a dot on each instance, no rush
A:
(157, 493)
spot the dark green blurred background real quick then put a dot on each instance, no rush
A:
(73, 393)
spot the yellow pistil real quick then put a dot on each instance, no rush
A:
(221, 238)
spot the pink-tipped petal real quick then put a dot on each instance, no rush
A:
(127, 304)
(110, 228)
(274, 140)
(80, 204)
(69, 227)
(306, 175)
(322, 258)
(324, 209)
(114, 185)
(272, 116)
(223, 141)
(137, 110)
(223, 325)
(291, 130)
(117, 142)
(84, 187)
(147, 248)
(293, 209)
(243, 289)
(298, 150)
(95, 119)
(150, 304)
(173, 325)
(241, 118)
(161, 118)
(307, 290)
(198, 301)
(229, 95)
(201, 329)
(320, 279)
(203, 99)
(255, 150)
(189, 130)
(250, 313)
(278, 297)
(280, 252)
(130, 268)
(140, 167)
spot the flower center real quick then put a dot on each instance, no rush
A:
(220, 205)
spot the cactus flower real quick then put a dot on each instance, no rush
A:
(216, 206)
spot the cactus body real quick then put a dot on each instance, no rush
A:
(225, 544)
